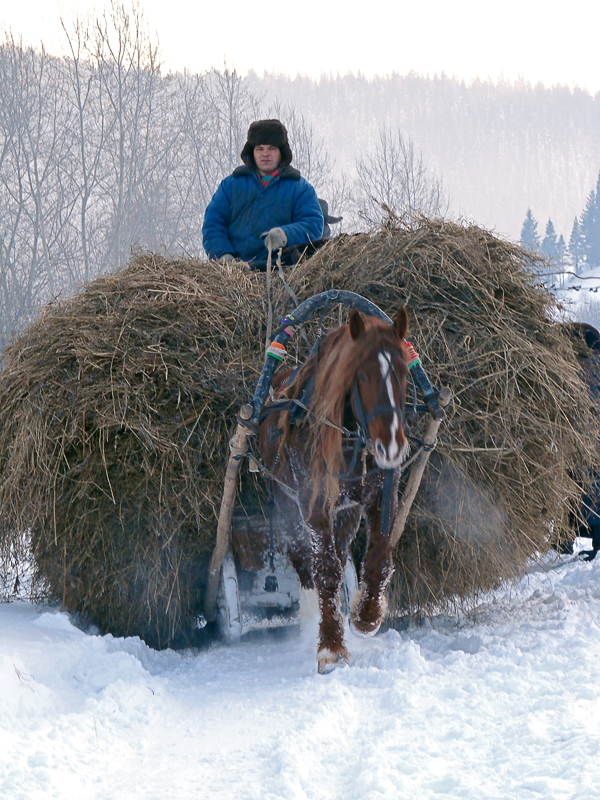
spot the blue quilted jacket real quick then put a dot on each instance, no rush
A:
(241, 209)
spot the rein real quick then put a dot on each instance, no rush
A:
(276, 406)
(268, 288)
(288, 289)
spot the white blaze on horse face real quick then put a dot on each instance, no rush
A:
(394, 455)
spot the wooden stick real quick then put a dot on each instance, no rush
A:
(416, 473)
(238, 446)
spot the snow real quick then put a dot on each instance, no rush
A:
(502, 705)
(579, 293)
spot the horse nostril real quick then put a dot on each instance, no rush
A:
(379, 449)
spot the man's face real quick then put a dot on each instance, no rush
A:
(266, 158)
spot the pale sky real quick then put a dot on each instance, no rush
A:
(513, 39)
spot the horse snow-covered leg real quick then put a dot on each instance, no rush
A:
(331, 651)
(327, 573)
(367, 613)
(328, 661)
(369, 606)
(309, 624)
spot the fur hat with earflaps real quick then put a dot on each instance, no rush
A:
(267, 131)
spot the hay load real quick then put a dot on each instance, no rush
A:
(522, 434)
(116, 407)
(115, 413)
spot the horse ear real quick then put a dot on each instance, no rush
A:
(356, 324)
(401, 323)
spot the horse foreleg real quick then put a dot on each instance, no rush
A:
(327, 573)
(369, 607)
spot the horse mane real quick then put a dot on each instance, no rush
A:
(333, 367)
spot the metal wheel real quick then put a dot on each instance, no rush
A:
(229, 617)
(349, 586)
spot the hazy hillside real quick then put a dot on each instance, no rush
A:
(499, 147)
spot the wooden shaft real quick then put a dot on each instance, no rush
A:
(417, 469)
(238, 446)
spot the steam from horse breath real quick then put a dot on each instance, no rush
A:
(453, 505)
(451, 501)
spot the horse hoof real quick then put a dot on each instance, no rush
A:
(366, 631)
(328, 661)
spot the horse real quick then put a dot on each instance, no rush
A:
(333, 440)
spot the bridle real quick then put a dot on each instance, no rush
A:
(361, 437)
(363, 419)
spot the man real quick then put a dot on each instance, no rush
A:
(264, 202)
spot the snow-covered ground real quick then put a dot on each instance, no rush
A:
(505, 705)
(580, 295)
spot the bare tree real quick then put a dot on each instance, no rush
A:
(310, 156)
(164, 183)
(91, 130)
(231, 108)
(339, 191)
(203, 169)
(11, 187)
(396, 178)
(129, 72)
(36, 193)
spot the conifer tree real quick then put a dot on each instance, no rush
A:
(575, 244)
(590, 227)
(529, 234)
(549, 245)
(562, 257)
(562, 250)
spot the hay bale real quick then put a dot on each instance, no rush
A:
(521, 436)
(115, 411)
(116, 407)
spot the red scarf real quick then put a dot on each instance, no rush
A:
(266, 179)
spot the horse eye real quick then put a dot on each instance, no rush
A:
(362, 376)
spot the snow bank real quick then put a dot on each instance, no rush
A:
(503, 706)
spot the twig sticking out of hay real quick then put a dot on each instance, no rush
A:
(521, 436)
(115, 410)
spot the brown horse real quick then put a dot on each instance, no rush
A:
(335, 442)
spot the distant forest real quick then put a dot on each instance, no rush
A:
(500, 147)
(101, 151)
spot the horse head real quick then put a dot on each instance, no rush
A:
(379, 386)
